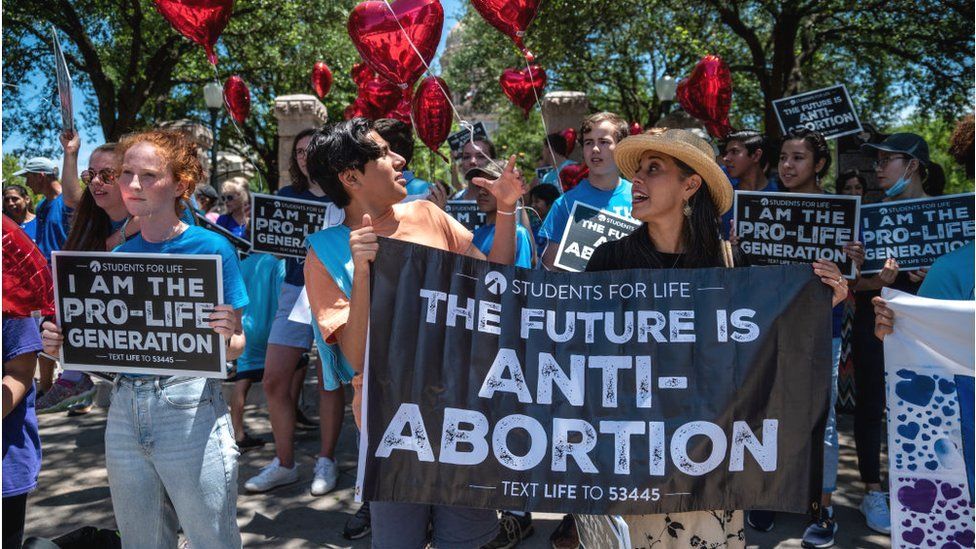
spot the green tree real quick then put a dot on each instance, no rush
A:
(135, 70)
(10, 166)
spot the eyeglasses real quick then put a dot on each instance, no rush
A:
(105, 177)
(301, 153)
(880, 163)
(229, 197)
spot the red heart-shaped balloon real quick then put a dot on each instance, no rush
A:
(707, 94)
(569, 134)
(432, 113)
(403, 109)
(27, 284)
(361, 73)
(512, 17)
(321, 79)
(358, 109)
(572, 174)
(237, 98)
(522, 88)
(386, 47)
(635, 128)
(381, 95)
(199, 20)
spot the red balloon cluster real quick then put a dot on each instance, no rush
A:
(523, 87)
(383, 33)
(569, 134)
(635, 128)
(572, 174)
(432, 113)
(27, 284)
(199, 20)
(321, 79)
(377, 98)
(512, 17)
(237, 98)
(707, 94)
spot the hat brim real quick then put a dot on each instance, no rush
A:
(628, 153)
(875, 147)
(20, 172)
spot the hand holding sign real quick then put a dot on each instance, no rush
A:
(507, 189)
(830, 275)
(70, 142)
(223, 320)
(363, 244)
(855, 251)
(51, 338)
(890, 271)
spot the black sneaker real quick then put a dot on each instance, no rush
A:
(512, 529)
(566, 536)
(762, 521)
(358, 525)
(821, 531)
(249, 443)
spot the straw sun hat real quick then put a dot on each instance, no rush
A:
(686, 147)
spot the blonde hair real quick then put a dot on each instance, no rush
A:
(179, 153)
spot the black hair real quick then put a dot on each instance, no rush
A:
(558, 143)
(399, 135)
(298, 180)
(850, 174)
(753, 141)
(933, 179)
(22, 191)
(816, 142)
(701, 231)
(339, 147)
(545, 192)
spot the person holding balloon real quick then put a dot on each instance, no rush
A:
(173, 464)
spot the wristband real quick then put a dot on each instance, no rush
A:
(499, 212)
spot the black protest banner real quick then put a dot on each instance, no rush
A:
(775, 228)
(587, 228)
(466, 212)
(279, 225)
(139, 313)
(457, 140)
(828, 111)
(626, 392)
(64, 85)
(915, 232)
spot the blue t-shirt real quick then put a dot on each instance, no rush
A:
(228, 222)
(199, 241)
(53, 224)
(263, 275)
(30, 228)
(417, 189)
(951, 276)
(616, 201)
(294, 267)
(484, 236)
(552, 178)
(21, 442)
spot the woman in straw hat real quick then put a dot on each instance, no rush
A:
(680, 192)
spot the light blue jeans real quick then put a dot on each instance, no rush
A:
(831, 446)
(172, 461)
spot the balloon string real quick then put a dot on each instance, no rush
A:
(248, 150)
(465, 125)
(545, 127)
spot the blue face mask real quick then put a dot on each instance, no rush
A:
(899, 186)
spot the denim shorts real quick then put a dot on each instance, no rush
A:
(288, 332)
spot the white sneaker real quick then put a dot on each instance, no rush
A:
(271, 476)
(326, 476)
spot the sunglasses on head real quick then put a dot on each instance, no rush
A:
(105, 177)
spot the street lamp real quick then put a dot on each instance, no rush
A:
(666, 87)
(213, 95)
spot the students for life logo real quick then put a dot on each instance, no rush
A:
(95, 266)
(496, 283)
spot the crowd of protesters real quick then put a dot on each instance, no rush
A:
(146, 194)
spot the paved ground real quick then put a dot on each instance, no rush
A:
(73, 492)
